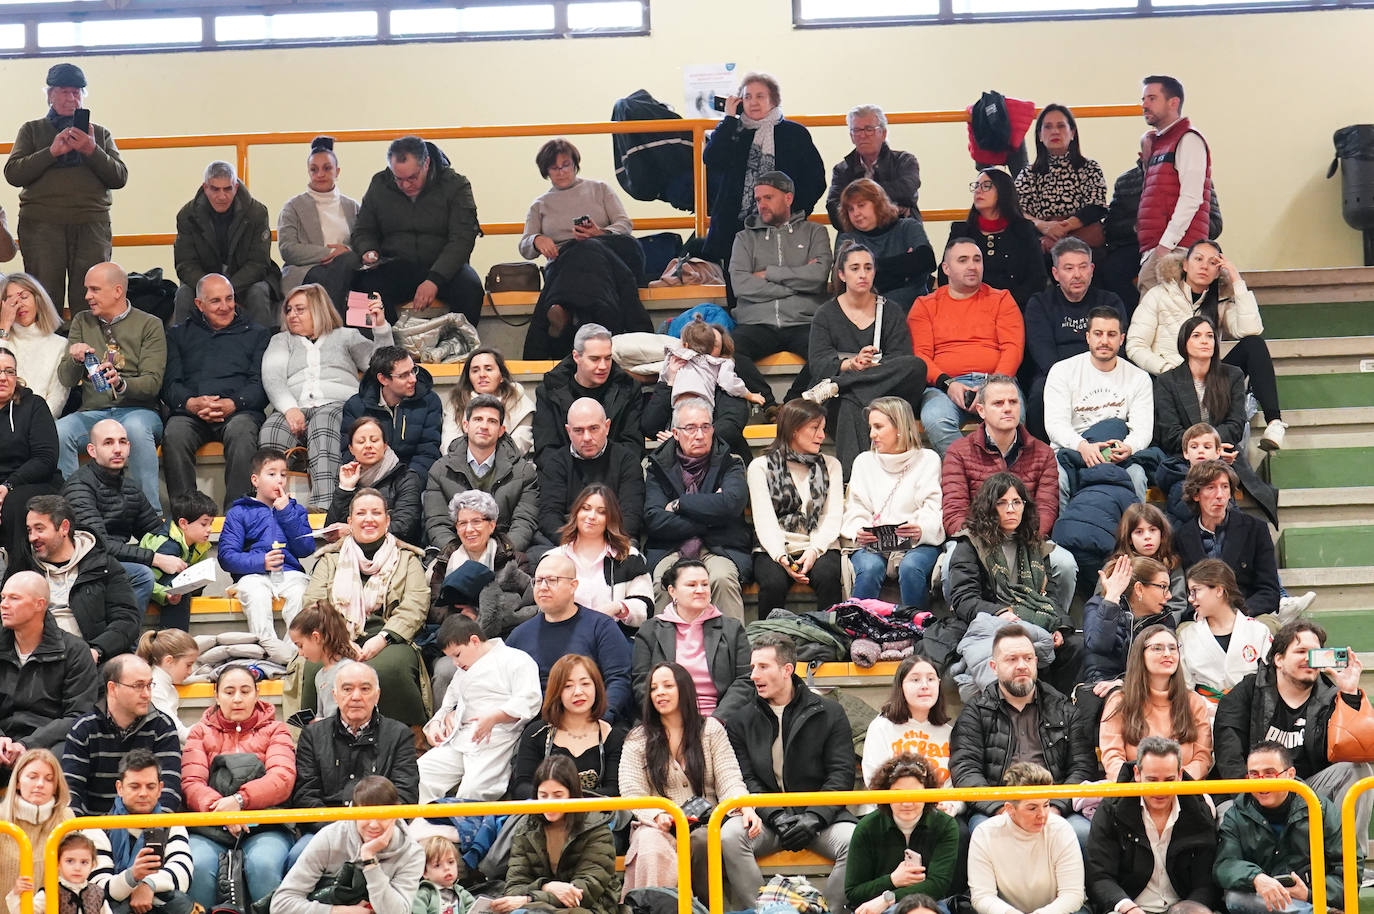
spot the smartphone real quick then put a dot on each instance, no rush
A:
(912, 857)
(718, 102)
(1328, 658)
(156, 839)
(358, 313)
(1286, 881)
(584, 221)
(82, 120)
(969, 397)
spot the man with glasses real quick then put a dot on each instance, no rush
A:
(125, 720)
(895, 171)
(417, 225)
(400, 395)
(564, 627)
(47, 676)
(694, 500)
(590, 457)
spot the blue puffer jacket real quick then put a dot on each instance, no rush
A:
(1087, 525)
(250, 529)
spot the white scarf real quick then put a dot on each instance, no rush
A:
(355, 600)
(762, 156)
(460, 557)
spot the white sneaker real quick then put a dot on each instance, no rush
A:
(822, 391)
(1291, 608)
(1273, 435)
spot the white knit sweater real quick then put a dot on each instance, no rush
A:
(1012, 871)
(37, 355)
(895, 489)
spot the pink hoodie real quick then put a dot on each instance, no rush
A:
(691, 654)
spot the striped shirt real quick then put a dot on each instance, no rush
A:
(95, 744)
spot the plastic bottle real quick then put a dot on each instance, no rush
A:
(98, 380)
(276, 577)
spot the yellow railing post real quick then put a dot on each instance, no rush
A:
(1349, 855)
(699, 178)
(25, 861)
(353, 813)
(1316, 843)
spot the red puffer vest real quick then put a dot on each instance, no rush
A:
(1160, 194)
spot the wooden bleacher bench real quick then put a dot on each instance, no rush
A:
(520, 303)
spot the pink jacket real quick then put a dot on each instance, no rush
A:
(261, 734)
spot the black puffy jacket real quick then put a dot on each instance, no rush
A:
(114, 508)
(330, 761)
(621, 400)
(1108, 630)
(413, 429)
(202, 361)
(41, 700)
(983, 743)
(401, 488)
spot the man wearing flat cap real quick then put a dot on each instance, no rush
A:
(65, 174)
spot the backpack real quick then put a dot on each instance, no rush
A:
(990, 122)
(660, 249)
(151, 294)
(817, 639)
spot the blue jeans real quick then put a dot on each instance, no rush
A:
(144, 427)
(264, 863)
(298, 848)
(913, 574)
(941, 419)
(141, 580)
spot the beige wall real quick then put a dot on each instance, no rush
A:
(1267, 90)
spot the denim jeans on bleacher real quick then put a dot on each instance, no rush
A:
(264, 864)
(942, 420)
(141, 580)
(870, 570)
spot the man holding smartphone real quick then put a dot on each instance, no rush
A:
(66, 167)
(147, 869)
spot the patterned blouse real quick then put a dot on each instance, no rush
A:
(1064, 191)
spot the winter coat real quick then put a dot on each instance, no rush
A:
(973, 459)
(1012, 258)
(896, 172)
(730, 416)
(902, 258)
(652, 166)
(1152, 340)
(401, 488)
(171, 541)
(28, 441)
(1087, 526)
(110, 504)
(971, 672)
(1247, 845)
(412, 429)
(972, 593)
(503, 603)
(300, 238)
(983, 743)
(391, 884)
(406, 606)
(196, 250)
(1177, 407)
(514, 483)
(587, 861)
(1108, 630)
(60, 195)
(619, 397)
(143, 346)
(202, 361)
(817, 750)
(563, 476)
(1243, 717)
(41, 700)
(795, 260)
(93, 749)
(262, 735)
(715, 513)
(250, 529)
(727, 654)
(436, 230)
(1118, 860)
(1248, 549)
(330, 761)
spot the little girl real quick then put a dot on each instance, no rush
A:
(321, 635)
(171, 653)
(1144, 530)
(439, 891)
(702, 363)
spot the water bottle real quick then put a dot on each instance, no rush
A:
(93, 369)
(276, 577)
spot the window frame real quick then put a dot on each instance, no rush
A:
(1144, 9)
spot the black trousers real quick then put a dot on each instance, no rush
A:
(396, 281)
(754, 341)
(774, 582)
(337, 278)
(1251, 355)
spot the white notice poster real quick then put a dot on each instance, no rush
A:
(701, 84)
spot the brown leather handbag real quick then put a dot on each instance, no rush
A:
(520, 276)
(1350, 732)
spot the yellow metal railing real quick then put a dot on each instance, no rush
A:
(975, 794)
(698, 127)
(25, 861)
(1349, 854)
(354, 813)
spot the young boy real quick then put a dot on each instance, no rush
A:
(439, 891)
(1200, 442)
(187, 537)
(265, 537)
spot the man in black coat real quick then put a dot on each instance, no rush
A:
(589, 372)
(592, 457)
(1121, 856)
(812, 736)
(400, 395)
(896, 172)
(985, 739)
(695, 493)
(1223, 531)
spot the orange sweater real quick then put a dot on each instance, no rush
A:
(1197, 755)
(957, 336)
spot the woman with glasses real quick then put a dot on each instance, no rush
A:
(612, 576)
(1062, 192)
(902, 257)
(595, 265)
(570, 724)
(28, 328)
(1222, 645)
(1154, 700)
(28, 454)
(1012, 258)
(1135, 594)
(459, 579)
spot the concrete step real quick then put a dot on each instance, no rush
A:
(1326, 391)
(1350, 426)
(1326, 506)
(1341, 589)
(1315, 286)
(1331, 547)
(1321, 355)
(1331, 467)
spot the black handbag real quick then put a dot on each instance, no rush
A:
(229, 771)
(231, 884)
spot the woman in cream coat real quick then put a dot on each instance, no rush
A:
(315, 228)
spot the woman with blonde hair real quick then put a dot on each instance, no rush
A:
(28, 328)
(902, 254)
(37, 801)
(310, 368)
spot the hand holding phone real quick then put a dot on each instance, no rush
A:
(359, 313)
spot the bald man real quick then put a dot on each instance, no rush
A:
(564, 627)
(131, 349)
(590, 457)
(47, 676)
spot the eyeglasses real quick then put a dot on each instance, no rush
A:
(9, 373)
(1014, 504)
(864, 131)
(981, 185)
(560, 168)
(1161, 648)
(1163, 588)
(693, 430)
(1195, 590)
(471, 524)
(145, 686)
(549, 580)
(402, 375)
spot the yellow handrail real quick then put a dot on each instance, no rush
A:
(242, 142)
(1316, 843)
(25, 861)
(353, 813)
(1349, 853)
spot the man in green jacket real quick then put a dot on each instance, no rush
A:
(66, 174)
(416, 229)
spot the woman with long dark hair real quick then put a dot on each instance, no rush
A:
(1154, 700)
(570, 724)
(1222, 645)
(913, 719)
(678, 754)
(1204, 283)
(1012, 258)
(902, 255)
(485, 372)
(1062, 192)
(612, 576)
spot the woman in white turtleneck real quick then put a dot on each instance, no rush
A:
(315, 228)
(28, 328)
(37, 800)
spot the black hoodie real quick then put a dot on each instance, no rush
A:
(28, 441)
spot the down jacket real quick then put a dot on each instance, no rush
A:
(982, 745)
(1087, 528)
(587, 861)
(330, 760)
(1152, 339)
(620, 399)
(413, 429)
(113, 507)
(1108, 630)
(971, 460)
(261, 734)
(401, 490)
(202, 361)
(514, 485)
(250, 529)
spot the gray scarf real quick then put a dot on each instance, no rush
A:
(762, 157)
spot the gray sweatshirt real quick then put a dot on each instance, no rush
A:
(795, 259)
(391, 884)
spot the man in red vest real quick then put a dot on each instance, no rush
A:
(1175, 202)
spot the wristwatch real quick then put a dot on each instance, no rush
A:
(368, 861)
